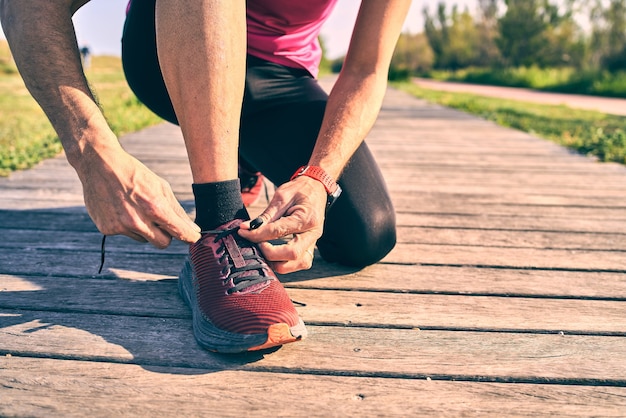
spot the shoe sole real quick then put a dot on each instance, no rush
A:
(214, 339)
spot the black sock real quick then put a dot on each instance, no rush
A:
(218, 203)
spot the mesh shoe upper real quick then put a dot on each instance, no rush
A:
(235, 288)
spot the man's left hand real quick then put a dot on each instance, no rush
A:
(298, 207)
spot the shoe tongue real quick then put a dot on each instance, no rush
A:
(237, 247)
(235, 251)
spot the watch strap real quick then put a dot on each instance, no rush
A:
(317, 173)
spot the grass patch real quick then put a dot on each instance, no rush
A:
(26, 136)
(7, 66)
(588, 132)
(562, 80)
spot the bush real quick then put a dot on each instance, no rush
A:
(563, 80)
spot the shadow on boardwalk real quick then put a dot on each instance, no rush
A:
(506, 294)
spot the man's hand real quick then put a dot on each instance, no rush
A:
(298, 208)
(124, 197)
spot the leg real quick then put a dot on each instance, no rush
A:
(141, 64)
(237, 303)
(360, 227)
(210, 155)
(201, 49)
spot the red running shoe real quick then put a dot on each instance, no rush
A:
(237, 303)
(251, 186)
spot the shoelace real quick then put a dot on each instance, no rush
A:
(102, 253)
(242, 258)
(241, 279)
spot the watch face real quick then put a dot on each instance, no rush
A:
(332, 197)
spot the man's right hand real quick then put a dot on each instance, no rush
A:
(124, 197)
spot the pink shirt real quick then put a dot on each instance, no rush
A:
(285, 31)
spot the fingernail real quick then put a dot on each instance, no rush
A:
(255, 223)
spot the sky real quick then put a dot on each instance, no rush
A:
(99, 24)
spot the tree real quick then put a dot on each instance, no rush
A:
(521, 31)
(454, 39)
(487, 27)
(412, 55)
(608, 39)
(539, 32)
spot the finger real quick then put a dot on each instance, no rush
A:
(180, 228)
(285, 267)
(182, 214)
(273, 211)
(136, 237)
(296, 249)
(293, 224)
(156, 236)
(177, 224)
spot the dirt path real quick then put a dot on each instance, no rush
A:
(602, 104)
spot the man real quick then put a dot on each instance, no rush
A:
(238, 77)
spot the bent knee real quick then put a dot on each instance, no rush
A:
(366, 246)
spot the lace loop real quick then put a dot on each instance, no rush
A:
(245, 266)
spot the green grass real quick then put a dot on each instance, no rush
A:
(7, 66)
(587, 132)
(26, 136)
(563, 80)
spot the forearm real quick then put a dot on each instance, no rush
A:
(42, 40)
(352, 108)
(356, 99)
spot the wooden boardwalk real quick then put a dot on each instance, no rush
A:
(506, 294)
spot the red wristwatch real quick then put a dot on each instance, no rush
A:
(332, 188)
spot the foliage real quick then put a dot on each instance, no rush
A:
(325, 63)
(453, 39)
(544, 33)
(563, 80)
(608, 39)
(593, 133)
(26, 136)
(412, 55)
(537, 32)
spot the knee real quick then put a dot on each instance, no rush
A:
(363, 246)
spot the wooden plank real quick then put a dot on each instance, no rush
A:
(440, 204)
(458, 199)
(463, 280)
(329, 306)
(585, 260)
(69, 240)
(489, 221)
(78, 388)
(513, 179)
(409, 206)
(512, 239)
(374, 352)
(58, 261)
(547, 190)
(414, 279)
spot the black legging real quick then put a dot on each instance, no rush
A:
(281, 116)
